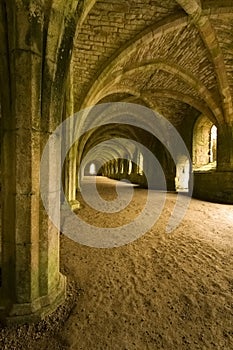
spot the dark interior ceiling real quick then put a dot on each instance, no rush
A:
(173, 56)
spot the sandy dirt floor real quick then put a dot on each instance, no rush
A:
(162, 291)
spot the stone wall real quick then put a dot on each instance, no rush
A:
(171, 56)
(214, 186)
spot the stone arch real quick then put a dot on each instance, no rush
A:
(115, 64)
(90, 168)
(92, 138)
(103, 154)
(194, 9)
(204, 143)
(182, 174)
(146, 97)
(182, 74)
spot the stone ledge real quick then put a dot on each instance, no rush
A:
(214, 186)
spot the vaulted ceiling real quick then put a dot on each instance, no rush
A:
(174, 56)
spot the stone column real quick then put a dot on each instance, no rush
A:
(134, 168)
(105, 169)
(225, 147)
(116, 166)
(32, 72)
(71, 157)
(126, 167)
(119, 166)
(108, 169)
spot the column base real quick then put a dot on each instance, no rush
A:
(74, 204)
(35, 311)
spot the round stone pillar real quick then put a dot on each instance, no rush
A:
(32, 80)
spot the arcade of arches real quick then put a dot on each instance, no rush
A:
(60, 57)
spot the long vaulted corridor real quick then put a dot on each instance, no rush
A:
(137, 96)
(163, 291)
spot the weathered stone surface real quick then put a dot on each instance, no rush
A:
(34, 58)
(173, 56)
(108, 26)
(180, 65)
(214, 186)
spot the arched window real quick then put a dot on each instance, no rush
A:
(204, 144)
(182, 174)
(92, 169)
(213, 144)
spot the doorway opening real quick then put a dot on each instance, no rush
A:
(182, 174)
(204, 145)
